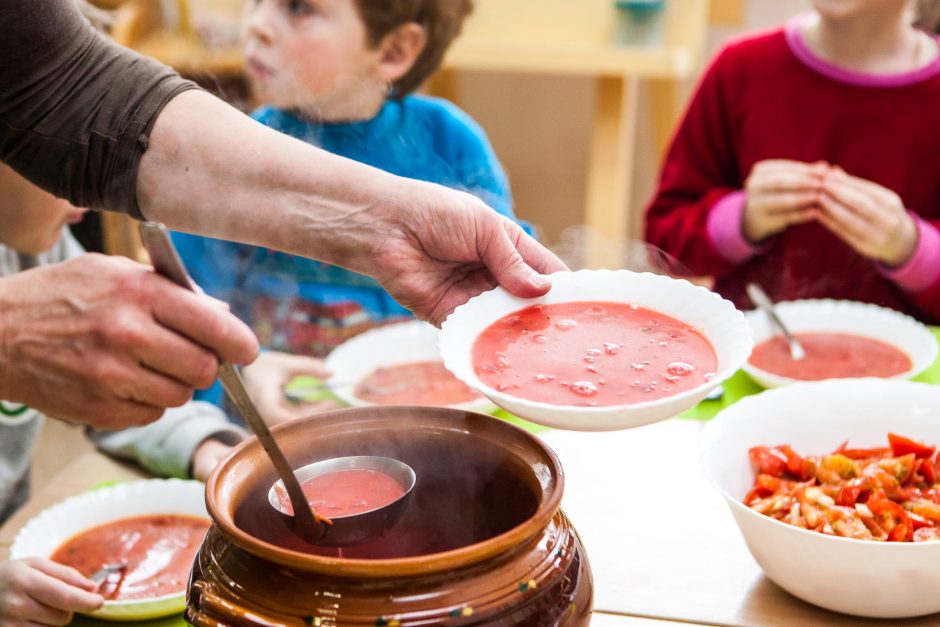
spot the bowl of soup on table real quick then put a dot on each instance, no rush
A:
(602, 350)
(398, 364)
(834, 486)
(842, 339)
(153, 527)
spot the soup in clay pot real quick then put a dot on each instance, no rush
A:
(482, 542)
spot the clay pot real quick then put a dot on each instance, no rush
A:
(482, 542)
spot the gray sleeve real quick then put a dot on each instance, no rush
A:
(166, 446)
(76, 110)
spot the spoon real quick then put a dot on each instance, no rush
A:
(99, 576)
(762, 300)
(307, 524)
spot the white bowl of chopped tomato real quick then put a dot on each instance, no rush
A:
(834, 485)
(603, 350)
(842, 339)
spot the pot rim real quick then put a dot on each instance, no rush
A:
(549, 503)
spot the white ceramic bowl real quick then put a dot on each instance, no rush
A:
(389, 345)
(845, 316)
(865, 578)
(49, 529)
(717, 319)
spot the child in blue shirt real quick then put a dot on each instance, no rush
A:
(339, 74)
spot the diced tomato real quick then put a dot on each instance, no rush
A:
(927, 470)
(927, 534)
(901, 533)
(902, 446)
(918, 521)
(851, 492)
(865, 453)
(768, 461)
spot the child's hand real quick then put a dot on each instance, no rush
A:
(207, 456)
(266, 377)
(781, 193)
(36, 591)
(868, 217)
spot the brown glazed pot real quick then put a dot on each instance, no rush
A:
(482, 542)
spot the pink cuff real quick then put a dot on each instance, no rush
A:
(725, 220)
(922, 270)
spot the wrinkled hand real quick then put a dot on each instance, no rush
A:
(780, 194)
(444, 247)
(106, 341)
(267, 376)
(36, 591)
(207, 456)
(868, 217)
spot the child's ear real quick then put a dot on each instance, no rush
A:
(399, 50)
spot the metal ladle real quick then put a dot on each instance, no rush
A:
(352, 529)
(763, 302)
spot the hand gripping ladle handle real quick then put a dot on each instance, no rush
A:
(167, 263)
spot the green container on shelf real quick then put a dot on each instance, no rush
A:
(640, 22)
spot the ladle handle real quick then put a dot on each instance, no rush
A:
(167, 263)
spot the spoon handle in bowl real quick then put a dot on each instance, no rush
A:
(762, 300)
(167, 263)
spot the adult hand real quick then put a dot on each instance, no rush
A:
(868, 217)
(36, 591)
(267, 376)
(780, 194)
(106, 341)
(444, 247)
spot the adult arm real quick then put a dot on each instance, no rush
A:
(201, 166)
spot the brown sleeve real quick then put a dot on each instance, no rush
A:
(76, 109)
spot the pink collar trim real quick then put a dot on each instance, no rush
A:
(805, 54)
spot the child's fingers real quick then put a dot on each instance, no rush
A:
(787, 202)
(845, 221)
(786, 181)
(55, 593)
(41, 614)
(852, 198)
(63, 573)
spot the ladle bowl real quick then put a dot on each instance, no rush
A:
(363, 526)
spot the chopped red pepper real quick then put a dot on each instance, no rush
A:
(902, 446)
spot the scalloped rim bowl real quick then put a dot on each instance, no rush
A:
(717, 319)
(389, 345)
(863, 578)
(49, 529)
(845, 316)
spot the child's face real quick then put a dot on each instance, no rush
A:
(313, 56)
(31, 220)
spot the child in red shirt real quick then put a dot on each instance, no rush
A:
(809, 162)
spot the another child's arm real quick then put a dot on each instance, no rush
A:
(265, 380)
(36, 591)
(169, 446)
(700, 199)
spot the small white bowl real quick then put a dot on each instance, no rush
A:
(864, 578)
(52, 527)
(389, 345)
(845, 316)
(715, 318)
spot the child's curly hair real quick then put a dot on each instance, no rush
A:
(441, 19)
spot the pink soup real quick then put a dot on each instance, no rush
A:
(418, 383)
(831, 355)
(346, 492)
(592, 354)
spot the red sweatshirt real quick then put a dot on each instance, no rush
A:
(768, 97)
